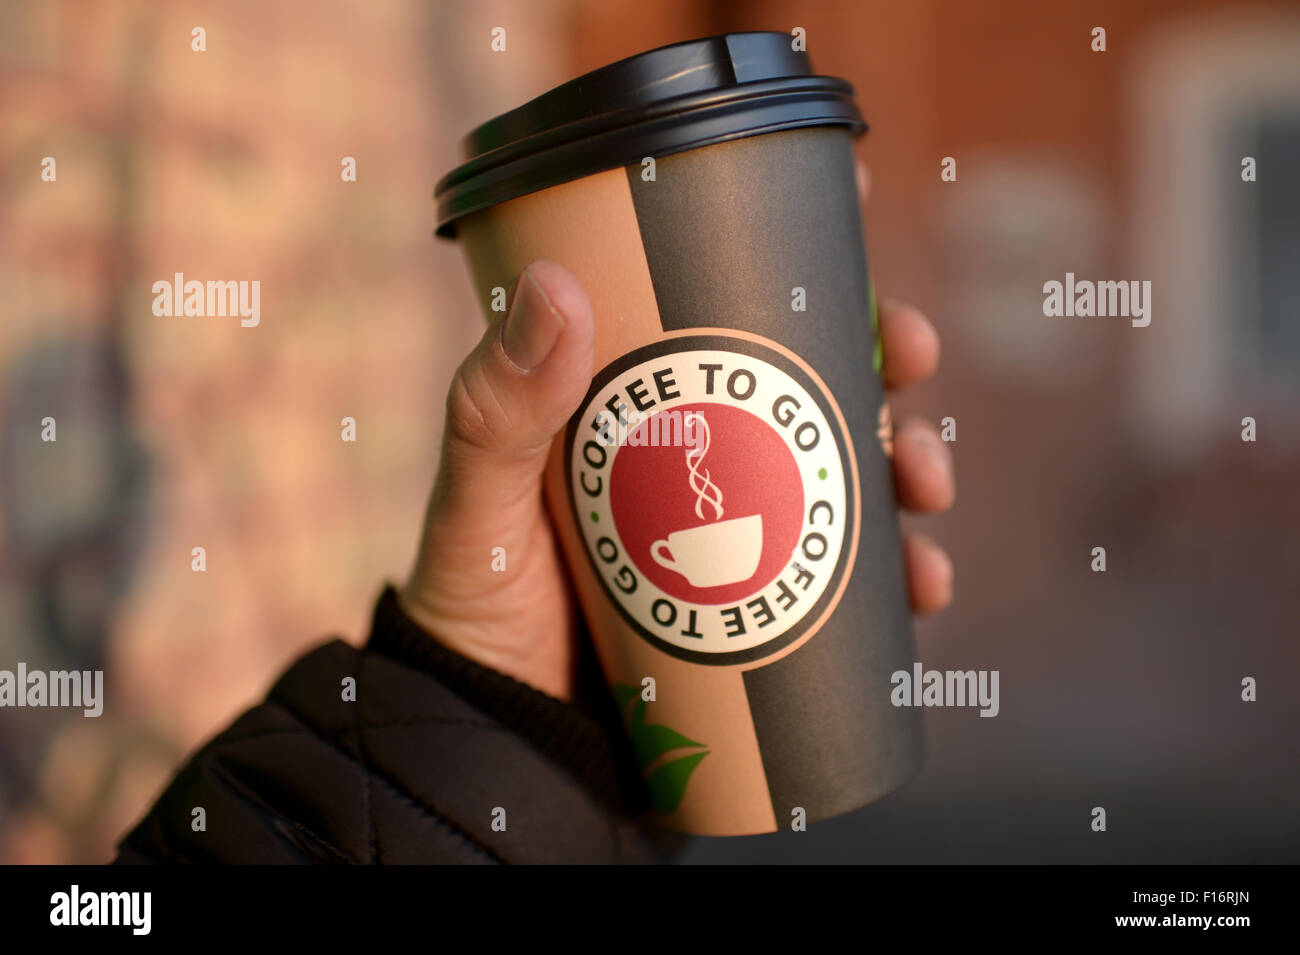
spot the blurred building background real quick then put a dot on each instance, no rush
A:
(1119, 689)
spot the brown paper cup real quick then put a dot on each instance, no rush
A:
(724, 495)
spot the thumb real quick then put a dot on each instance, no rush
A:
(509, 398)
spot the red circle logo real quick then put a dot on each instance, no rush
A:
(714, 518)
(712, 484)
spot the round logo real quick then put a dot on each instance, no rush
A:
(709, 477)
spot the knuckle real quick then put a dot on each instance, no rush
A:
(474, 415)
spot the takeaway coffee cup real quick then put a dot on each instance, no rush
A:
(723, 494)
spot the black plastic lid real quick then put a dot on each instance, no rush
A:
(665, 101)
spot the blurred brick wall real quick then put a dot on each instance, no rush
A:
(223, 165)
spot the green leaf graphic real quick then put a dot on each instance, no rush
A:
(878, 354)
(624, 695)
(667, 784)
(653, 741)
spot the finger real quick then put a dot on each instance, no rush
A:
(923, 469)
(507, 401)
(929, 574)
(863, 176)
(910, 345)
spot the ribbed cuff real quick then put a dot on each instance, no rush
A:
(585, 738)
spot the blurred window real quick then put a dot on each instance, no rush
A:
(1268, 281)
(1207, 93)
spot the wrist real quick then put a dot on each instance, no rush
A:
(527, 662)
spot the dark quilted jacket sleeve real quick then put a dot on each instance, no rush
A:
(433, 750)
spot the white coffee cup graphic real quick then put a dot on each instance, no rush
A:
(713, 555)
(718, 553)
